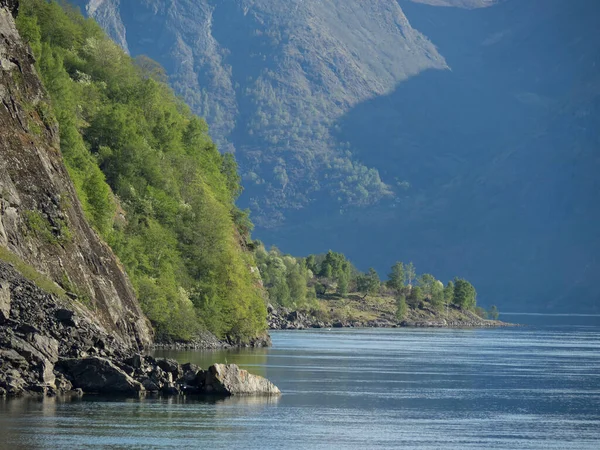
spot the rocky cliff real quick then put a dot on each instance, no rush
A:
(41, 220)
(69, 317)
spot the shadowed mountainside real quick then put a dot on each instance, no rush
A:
(499, 152)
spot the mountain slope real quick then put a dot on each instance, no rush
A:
(41, 220)
(485, 169)
(271, 77)
(149, 178)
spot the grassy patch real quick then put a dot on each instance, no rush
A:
(42, 228)
(354, 307)
(31, 273)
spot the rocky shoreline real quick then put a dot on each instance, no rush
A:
(286, 319)
(50, 346)
(205, 340)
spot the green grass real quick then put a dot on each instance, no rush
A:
(354, 307)
(31, 273)
(42, 229)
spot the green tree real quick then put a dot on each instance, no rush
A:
(342, 285)
(449, 293)
(396, 277)
(326, 270)
(415, 298)
(427, 283)
(369, 283)
(493, 313)
(296, 280)
(320, 289)
(437, 298)
(334, 265)
(311, 264)
(465, 296)
(401, 307)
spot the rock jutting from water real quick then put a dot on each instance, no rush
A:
(230, 379)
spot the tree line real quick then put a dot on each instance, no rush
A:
(298, 282)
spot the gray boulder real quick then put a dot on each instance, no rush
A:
(4, 301)
(150, 385)
(98, 375)
(229, 379)
(170, 366)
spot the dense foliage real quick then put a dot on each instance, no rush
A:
(149, 178)
(297, 282)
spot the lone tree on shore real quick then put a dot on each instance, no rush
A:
(396, 277)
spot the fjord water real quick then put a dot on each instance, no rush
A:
(531, 387)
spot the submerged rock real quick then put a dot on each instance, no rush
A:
(229, 379)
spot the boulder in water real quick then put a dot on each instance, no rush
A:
(229, 379)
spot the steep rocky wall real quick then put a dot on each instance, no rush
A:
(41, 219)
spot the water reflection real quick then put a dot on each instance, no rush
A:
(527, 387)
(253, 360)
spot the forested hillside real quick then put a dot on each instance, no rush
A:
(459, 134)
(149, 177)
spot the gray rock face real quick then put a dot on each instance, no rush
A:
(39, 331)
(34, 183)
(229, 379)
(99, 375)
(11, 5)
(4, 301)
(46, 347)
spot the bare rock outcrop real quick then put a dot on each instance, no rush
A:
(48, 346)
(229, 379)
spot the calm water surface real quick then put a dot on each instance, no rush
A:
(532, 387)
